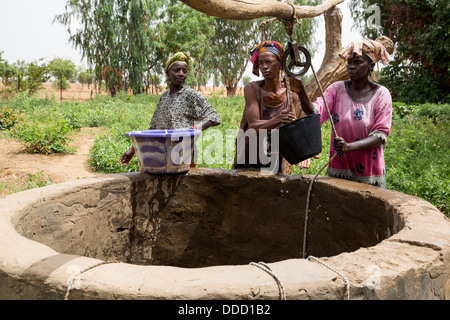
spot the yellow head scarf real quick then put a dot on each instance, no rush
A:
(374, 49)
(178, 57)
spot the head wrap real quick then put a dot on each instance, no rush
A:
(178, 57)
(266, 46)
(374, 49)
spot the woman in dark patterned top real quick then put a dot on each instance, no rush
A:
(179, 107)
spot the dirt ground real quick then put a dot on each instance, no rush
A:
(82, 92)
(20, 170)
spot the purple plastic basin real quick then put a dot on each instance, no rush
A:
(164, 151)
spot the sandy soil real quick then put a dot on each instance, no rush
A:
(18, 167)
(82, 92)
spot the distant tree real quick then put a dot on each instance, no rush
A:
(246, 79)
(117, 37)
(19, 75)
(231, 45)
(6, 71)
(85, 76)
(62, 69)
(185, 29)
(37, 74)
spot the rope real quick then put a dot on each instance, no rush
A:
(324, 101)
(287, 23)
(291, 22)
(308, 196)
(75, 275)
(347, 283)
(289, 93)
(266, 268)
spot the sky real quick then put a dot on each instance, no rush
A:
(27, 32)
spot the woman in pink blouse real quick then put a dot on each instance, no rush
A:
(361, 111)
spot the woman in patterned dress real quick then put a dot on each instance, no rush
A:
(361, 112)
(179, 107)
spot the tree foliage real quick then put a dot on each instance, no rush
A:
(116, 37)
(127, 41)
(231, 45)
(185, 29)
(21, 76)
(62, 69)
(421, 33)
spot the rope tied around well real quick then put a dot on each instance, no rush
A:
(347, 283)
(267, 269)
(71, 279)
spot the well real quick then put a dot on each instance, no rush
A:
(195, 235)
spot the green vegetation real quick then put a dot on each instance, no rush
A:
(41, 179)
(417, 154)
(419, 29)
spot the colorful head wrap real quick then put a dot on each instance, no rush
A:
(178, 57)
(266, 46)
(374, 49)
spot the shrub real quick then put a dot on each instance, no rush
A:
(9, 117)
(44, 138)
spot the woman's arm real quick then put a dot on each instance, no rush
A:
(127, 156)
(340, 145)
(205, 125)
(252, 113)
(298, 87)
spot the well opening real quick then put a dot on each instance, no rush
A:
(217, 218)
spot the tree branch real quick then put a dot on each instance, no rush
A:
(253, 9)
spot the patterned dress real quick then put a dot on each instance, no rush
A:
(182, 110)
(355, 121)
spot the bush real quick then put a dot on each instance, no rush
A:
(418, 156)
(9, 117)
(44, 138)
(413, 85)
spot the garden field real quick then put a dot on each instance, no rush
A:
(417, 154)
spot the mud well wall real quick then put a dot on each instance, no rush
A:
(199, 220)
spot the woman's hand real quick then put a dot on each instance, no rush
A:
(127, 156)
(298, 87)
(286, 116)
(296, 84)
(340, 145)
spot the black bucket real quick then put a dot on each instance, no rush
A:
(301, 139)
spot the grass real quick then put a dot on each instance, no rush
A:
(16, 182)
(417, 155)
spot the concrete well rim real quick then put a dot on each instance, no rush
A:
(28, 261)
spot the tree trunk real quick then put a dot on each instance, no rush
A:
(231, 90)
(253, 9)
(60, 89)
(333, 67)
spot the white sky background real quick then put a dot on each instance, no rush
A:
(27, 32)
